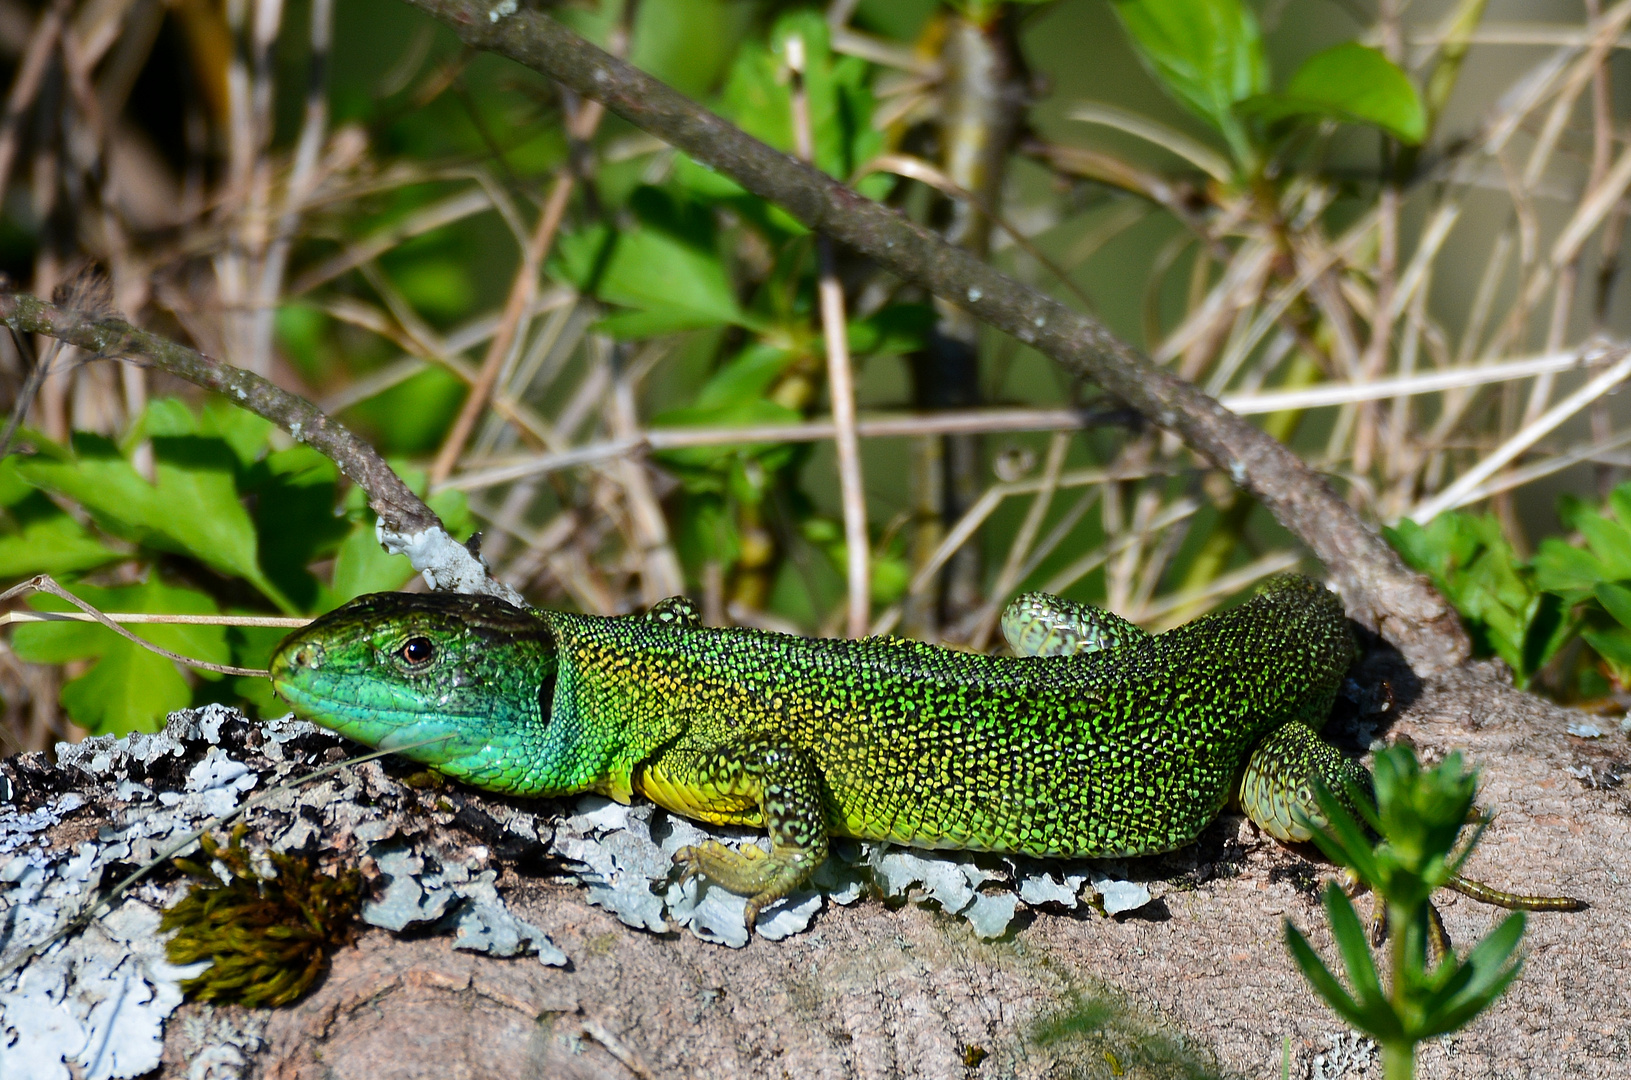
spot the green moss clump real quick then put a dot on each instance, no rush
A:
(268, 938)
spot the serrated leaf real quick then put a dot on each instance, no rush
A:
(1566, 570)
(295, 519)
(245, 432)
(1616, 600)
(43, 539)
(128, 688)
(1351, 83)
(1610, 542)
(1614, 646)
(192, 507)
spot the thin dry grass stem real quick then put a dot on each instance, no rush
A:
(522, 292)
(1180, 607)
(44, 583)
(445, 211)
(42, 43)
(1196, 153)
(840, 381)
(659, 566)
(142, 618)
(1120, 540)
(1523, 439)
(1020, 550)
(907, 425)
(581, 127)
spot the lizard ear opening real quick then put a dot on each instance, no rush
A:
(546, 695)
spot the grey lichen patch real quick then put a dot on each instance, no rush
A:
(96, 1002)
(623, 854)
(450, 898)
(1346, 1054)
(92, 1003)
(436, 856)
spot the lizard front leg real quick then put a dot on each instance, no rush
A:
(782, 780)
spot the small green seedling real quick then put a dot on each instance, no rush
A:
(1419, 816)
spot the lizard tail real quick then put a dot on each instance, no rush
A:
(1477, 890)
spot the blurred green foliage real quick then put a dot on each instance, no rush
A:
(231, 518)
(1208, 55)
(1526, 611)
(1508, 613)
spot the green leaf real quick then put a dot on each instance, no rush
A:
(686, 43)
(1342, 839)
(1351, 83)
(1356, 957)
(438, 286)
(48, 541)
(129, 688)
(1324, 983)
(1613, 646)
(1610, 541)
(1616, 600)
(671, 283)
(1501, 599)
(1493, 966)
(362, 566)
(746, 377)
(39, 537)
(1566, 570)
(295, 521)
(897, 329)
(1551, 625)
(192, 507)
(759, 99)
(245, 432)
(1208, 54)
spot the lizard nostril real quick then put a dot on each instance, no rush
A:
(309, 655)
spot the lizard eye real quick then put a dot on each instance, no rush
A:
(417, 651)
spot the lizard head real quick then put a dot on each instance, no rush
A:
(465, 684)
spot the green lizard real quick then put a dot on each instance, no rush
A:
(1098, 740)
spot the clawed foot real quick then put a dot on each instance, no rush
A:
(750, 872)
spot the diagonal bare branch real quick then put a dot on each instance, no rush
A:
(1379, 589)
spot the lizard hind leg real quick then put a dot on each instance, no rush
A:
(1277, 788)
(1277, 793)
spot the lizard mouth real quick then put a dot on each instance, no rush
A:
(368, 710)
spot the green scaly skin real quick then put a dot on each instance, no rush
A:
(1103, 741)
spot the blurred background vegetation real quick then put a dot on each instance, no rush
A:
(1389, 229)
